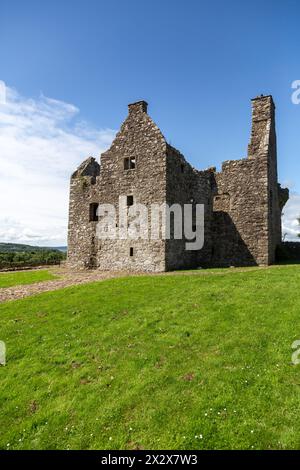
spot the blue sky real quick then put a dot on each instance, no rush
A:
(197, 63)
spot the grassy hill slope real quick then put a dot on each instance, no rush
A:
(19, 247)
(190, 360)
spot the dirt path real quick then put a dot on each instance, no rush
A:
(71, 278)
(66, 278)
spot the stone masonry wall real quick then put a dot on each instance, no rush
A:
(247, 216)
(186, 185)
(140, 138)
(243, 202)
(240, 214)
(81, 232)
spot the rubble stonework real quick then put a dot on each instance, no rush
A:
(243, 202)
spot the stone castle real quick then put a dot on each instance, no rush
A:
(243, 202)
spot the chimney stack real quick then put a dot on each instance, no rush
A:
(263, 123)
(138, 107)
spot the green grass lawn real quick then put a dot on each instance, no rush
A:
(25, 277)
(187, 361)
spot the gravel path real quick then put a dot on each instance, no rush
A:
(66, 278)
(71, 278)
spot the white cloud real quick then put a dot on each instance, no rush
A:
(2, 92)
(291, 212)
(42, 141)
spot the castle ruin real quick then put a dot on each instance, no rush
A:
(243, 202)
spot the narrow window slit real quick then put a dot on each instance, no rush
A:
(129, 201)
(94, 212)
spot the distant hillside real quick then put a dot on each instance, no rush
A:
(18, 247)
(64, 249)
(20, 256)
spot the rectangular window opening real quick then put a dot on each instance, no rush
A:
(94, 212)
(129, 163)
(129, 201)
(131, 251)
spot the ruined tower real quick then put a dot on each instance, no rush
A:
(248, 200)
(242, 203)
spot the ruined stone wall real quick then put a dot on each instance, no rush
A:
(81, 231)
(277, 198)
(138, 138)
(186, 185)
(240, 214)
(243, 202)
(247, 213)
